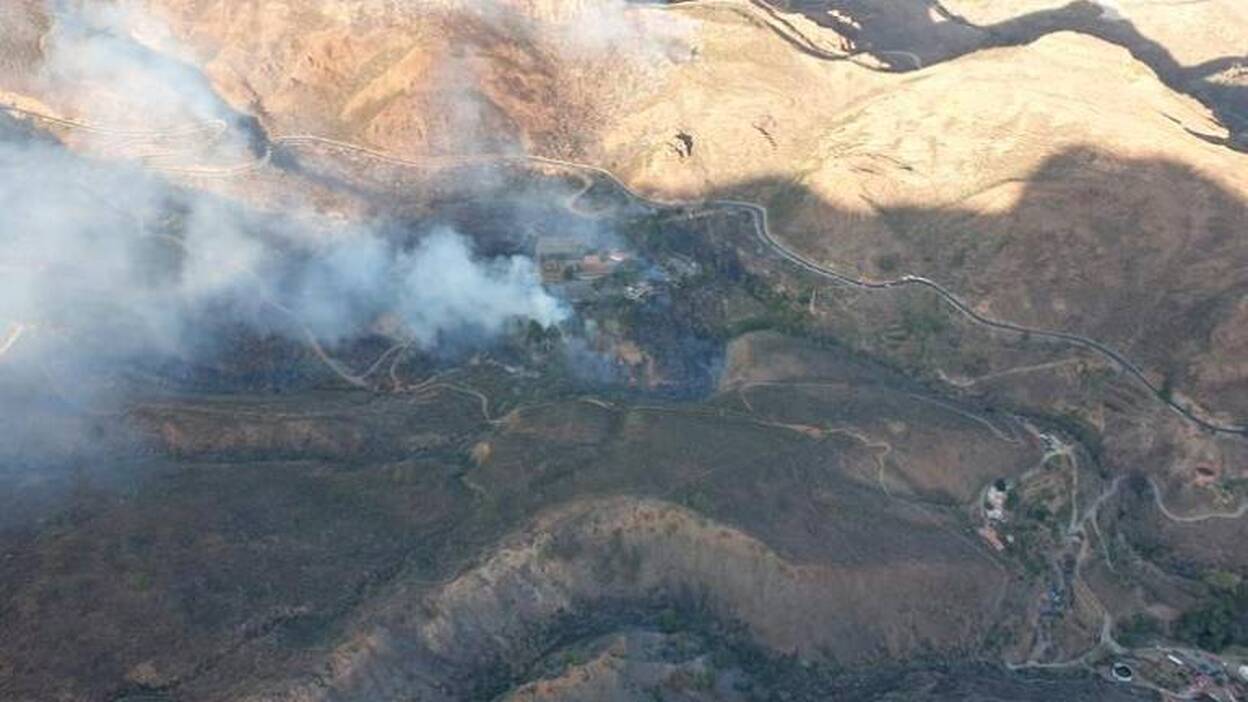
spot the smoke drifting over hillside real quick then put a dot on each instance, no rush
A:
(104, 263)
(98, 250)
(93, 58)
(590, 26)
(437, 288)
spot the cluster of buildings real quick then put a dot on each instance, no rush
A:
(571, 264)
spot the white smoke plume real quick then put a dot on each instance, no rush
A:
(437, 289)
(103, 262)
(121, 66)
(91, 267)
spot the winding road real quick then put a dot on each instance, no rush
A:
(763, 231)
(1192, 518)
(215, 127)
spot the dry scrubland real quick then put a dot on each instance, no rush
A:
(1061, 183)
(804, 527)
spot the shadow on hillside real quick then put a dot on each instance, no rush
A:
(920, 33)
(1145, 256)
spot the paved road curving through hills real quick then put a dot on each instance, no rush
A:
(762, 230)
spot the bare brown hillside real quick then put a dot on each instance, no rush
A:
(859, 166)
(820, 349)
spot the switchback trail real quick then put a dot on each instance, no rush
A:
(762, 229)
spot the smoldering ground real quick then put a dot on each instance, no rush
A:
(106, 266)
(117, 287)
(108, 271)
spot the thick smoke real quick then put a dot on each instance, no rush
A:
(116, 255)
(436, 289)
(105, 263)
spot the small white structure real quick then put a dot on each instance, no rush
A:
(995, 507)
(1243, 672)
